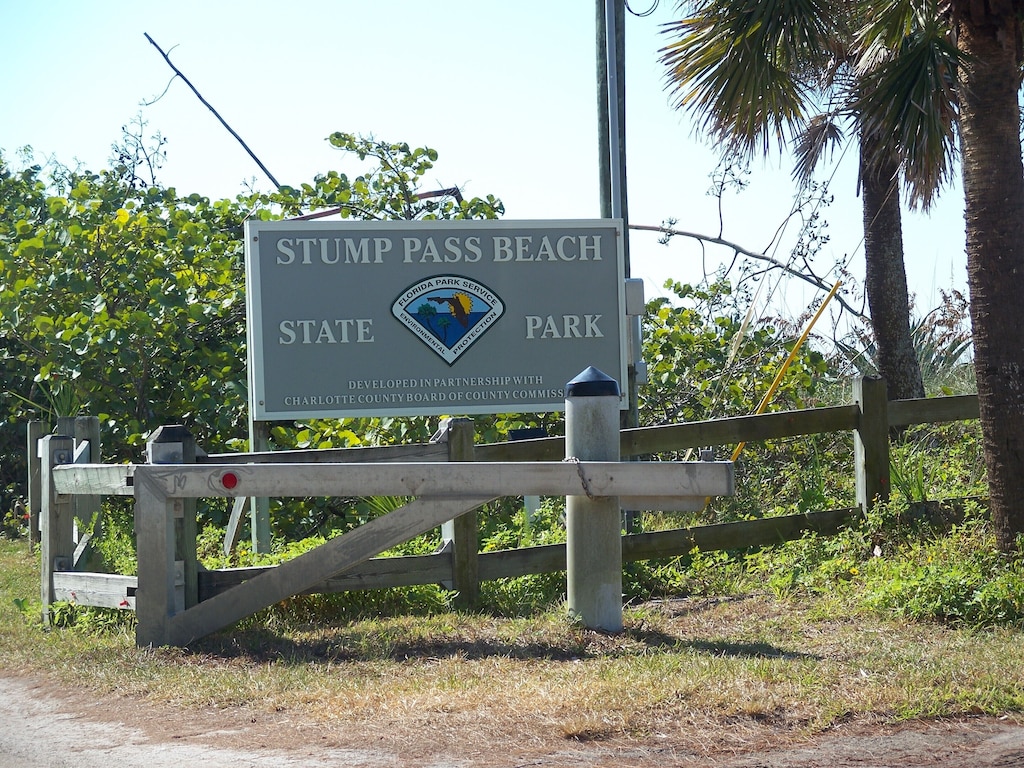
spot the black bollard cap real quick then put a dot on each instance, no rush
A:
(169, 433)
(592, 383)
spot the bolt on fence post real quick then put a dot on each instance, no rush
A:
(593, 525)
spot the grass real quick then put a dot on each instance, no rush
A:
(831, 642)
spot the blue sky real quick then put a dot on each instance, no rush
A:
(504, 91)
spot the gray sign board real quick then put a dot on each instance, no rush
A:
(429, 317)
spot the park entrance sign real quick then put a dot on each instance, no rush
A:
(429, 317)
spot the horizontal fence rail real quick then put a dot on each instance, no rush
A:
(450, 480)
(115, 591)
(362, 454)
(640, 441)
(932, 410)
(383, 572)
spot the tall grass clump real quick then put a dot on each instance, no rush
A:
(959, 577)
(930, 462)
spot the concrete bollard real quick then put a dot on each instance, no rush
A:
(593, 524)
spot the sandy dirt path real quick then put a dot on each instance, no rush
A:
(44, 726)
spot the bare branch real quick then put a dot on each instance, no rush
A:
(739, 250)
(215, 113)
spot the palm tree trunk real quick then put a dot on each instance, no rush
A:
(993, 177)
(885, 277)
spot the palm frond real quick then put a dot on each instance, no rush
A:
(907, 91)
(740, 66)
(820, 136)
(885, 25)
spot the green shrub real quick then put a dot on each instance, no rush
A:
(959, 578)
(899, 563)
(526, 595)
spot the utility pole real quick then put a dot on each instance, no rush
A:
(611, 119)
(611, 109)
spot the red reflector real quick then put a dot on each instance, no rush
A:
(229, 480)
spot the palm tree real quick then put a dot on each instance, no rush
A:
(925, 68)
(994, 188)
(984, 39)
(753, 70)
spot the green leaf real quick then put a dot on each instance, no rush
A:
(42, 323)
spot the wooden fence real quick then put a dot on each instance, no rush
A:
(459, 563)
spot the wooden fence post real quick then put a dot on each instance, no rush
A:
(531, 503)
(174, 444)
(35, 432)
(461, 535)
(56, 518)
(156, 597)
(871, 441)
(87, 522)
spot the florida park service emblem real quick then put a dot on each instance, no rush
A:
(448, 313)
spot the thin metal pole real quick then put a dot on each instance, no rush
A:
(615, 55)
(604, 154)
(615, 45)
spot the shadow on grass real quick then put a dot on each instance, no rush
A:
(262, 646)
(747, 650)
(334, 645)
